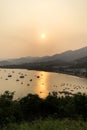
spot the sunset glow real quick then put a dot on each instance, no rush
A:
(42, 85)
(41, 27)
(43, 36)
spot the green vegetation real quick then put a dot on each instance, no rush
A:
(49, 124)
(32, 108)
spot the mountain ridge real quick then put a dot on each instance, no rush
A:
(67, 56)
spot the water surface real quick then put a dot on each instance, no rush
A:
(39, 82)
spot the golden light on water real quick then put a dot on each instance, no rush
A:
(42, 84)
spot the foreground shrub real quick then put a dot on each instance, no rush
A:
(32, 107)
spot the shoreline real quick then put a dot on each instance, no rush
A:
(62, 72)
(50, 71)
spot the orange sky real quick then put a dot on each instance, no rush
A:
(22, 22)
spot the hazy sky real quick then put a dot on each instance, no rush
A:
(22, 22)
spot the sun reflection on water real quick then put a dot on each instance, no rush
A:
(42, 84)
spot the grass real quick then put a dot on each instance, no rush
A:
(49, 124)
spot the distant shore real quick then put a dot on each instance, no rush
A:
(61, 72)
(71, 71)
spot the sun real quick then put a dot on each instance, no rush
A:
(43, 35)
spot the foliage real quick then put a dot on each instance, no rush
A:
(49, 124)
(32, 107)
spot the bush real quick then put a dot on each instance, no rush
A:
(32, 107)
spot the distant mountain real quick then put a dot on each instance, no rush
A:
(80, 63)
(24, 60)
(82, 60)
(68, 56)
(72, 55)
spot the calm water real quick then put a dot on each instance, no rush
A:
(39, 82)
